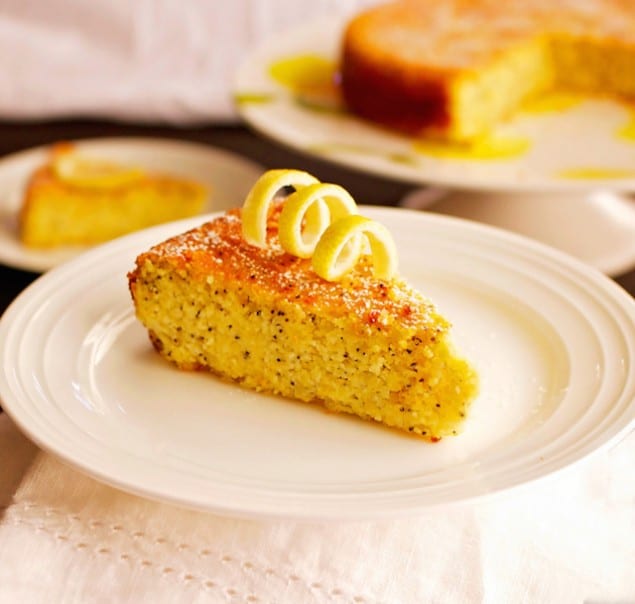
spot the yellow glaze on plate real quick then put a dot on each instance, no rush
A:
(304, 73)
(486, 148)
(556, 101)
(596, 173)
(627, 131)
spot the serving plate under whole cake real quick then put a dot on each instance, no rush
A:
(563, 146)
(227, 175)
(553, 341)
(568, 143)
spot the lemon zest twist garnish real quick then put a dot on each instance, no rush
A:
(262, 194)
(332, 258)
(93, 173)
(319, 221)
(305, 208)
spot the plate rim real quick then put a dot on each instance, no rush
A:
(21, 260)
(600, 284)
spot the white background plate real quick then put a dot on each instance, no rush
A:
(553, 342)
(600, 229)
(228, 176)
(581, 136)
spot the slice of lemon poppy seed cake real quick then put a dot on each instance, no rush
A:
(77, 199)
(358, 341)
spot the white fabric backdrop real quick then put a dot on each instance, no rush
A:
(148, 60)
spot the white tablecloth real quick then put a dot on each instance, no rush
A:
(67, 538)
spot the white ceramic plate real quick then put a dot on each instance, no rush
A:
(583, 137)
(228, 175)
(600, 225)
(553, 342)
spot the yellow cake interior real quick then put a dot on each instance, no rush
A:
(481, 98)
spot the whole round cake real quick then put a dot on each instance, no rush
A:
(453, 69)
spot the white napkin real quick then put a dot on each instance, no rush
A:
(67, 538)
(168, 60)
